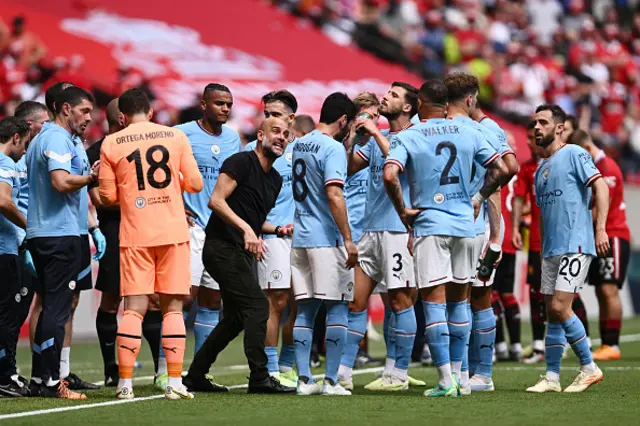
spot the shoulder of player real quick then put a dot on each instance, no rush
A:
(6, 163)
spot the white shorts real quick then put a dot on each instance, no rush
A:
(479, 246)
(384, 257)
(320, 273)
(564, 273)
(199, 276)
(274, 273)
(441, 259)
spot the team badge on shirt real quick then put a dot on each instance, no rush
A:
(140, 202)
(72, 285)
(276, 275)
(215, 149)
(438, 198)
(545, 174)
(289, 156)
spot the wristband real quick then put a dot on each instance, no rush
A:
(278, 229)
(479, 198)
(92, 229)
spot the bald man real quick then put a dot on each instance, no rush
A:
(246, 191)
(108, 281)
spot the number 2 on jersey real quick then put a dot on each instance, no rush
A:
(445, 179)
(153, 166)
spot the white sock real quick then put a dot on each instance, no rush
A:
(175, 382)
(51, 383)
(616, 347)
(501, 347)
(444, 374)
(344, 372)
(589, 341)
(65, 356)
(589, 368)
(464, 379)
(128, 383)
(389, 366)
(285, 369)
(162, 366)
(516, 347)
(538, 345)
(400, 374)
(456, 368)
(553, 376)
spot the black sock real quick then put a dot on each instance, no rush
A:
(107, 328)
(152, 331)
(498, 312)
(581, 312)
(538, 314)
(512, 317)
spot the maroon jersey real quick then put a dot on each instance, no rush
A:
(617, 219)
(525, 188)
(507, 193)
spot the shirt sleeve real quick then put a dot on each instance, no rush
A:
(365, 151)
(191, 177)
(59, 151)
(583, 168)
(7, 172)
(235, 165)
(108, 189)
(398, 153)
(335, 165)
(485, 154)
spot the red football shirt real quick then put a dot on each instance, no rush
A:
(617, 219)
(507, 193)
(525, 187)
(613, 107)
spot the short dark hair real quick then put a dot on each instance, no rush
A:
(9, 126)
(460, 85)
(579, 137)
(558, 114)
(284, 96)
(134, 101)
(573, 120)
(304, 124)
(531, 125)
(335, 106)
(212, 87)
(72, 95)
(410, 96)
(27, 109)
(53, 92)
(434, 92)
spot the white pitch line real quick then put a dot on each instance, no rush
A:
(625, 339)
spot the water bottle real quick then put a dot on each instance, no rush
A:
(359, 133)
(490, 258)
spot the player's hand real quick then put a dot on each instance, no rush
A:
(253, 244)
(100, 242)
(28, 261)
(486, 248)
(366, 126)
(352, 254)
(516, 240)
(287, 230)
(191, 216)
(603, 247)
(408, 216)
(476, 208)
(95, 170)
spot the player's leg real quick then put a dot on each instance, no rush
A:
(501, 349)
(152, 332)
(277, 305)
(507, 273)
(288, 350)
(538, 311)
(57, 261)
(580, 310)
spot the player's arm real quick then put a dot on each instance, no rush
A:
(278, 230)
(358, 160)
(8, 207)
(494, 212)
(512, 167)
(496, 171)
(191, 180)
(64, 181)
(516, 218)
(601, 196)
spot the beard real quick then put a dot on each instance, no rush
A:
(546, 140)
(342, 134)
(269, 152)
(391, 115)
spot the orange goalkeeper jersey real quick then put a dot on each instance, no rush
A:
(145, 167)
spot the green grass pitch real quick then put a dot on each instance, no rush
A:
(615, 401)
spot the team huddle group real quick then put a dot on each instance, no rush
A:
(307, 215)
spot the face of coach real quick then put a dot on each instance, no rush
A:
(273, 137)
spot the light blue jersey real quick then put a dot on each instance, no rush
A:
(415, 119)
(380, 214)
(318, 160)
(480, 172)
(52, 213)
(23, 196)
(210, 151)
(355, 193)
(438, 156)
(563, 194)
(282, 213)
(82, 168)
(9, 236)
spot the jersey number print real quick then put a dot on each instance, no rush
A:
(153, 166)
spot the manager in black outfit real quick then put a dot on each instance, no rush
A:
(246, 191)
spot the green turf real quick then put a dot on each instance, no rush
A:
(614, 400)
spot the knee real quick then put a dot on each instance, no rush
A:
(480, 298)
(401, 300)
(278, 302)
(210, 299)
(154, 302)
(608, 291)
(556, 309)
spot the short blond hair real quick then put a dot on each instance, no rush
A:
(366, 100)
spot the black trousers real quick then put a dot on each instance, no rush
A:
(245, 307)
(57, 261)
(16, 294)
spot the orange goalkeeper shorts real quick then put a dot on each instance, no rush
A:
(162, 269)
